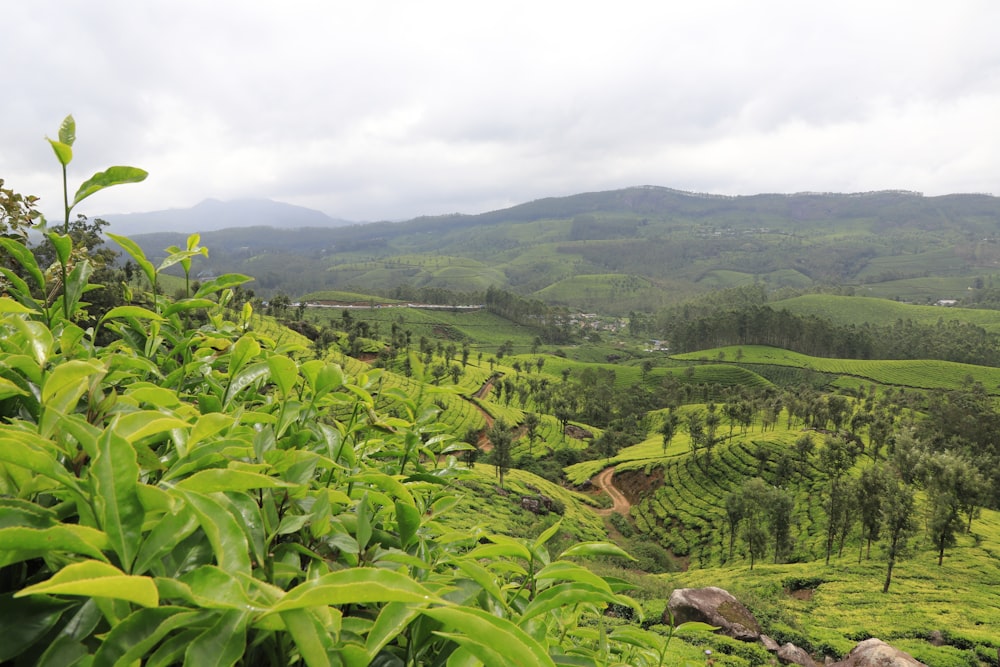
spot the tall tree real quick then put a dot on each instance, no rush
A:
(502, 440)
(898, 522)
(668, 429)
(952, 483)
(871, 487)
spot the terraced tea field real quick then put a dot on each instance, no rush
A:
(845, 310)
(918, 374)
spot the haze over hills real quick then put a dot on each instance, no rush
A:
(213, 214)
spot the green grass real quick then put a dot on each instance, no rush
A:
(845, 310)
(349, 297)
(848, 605)
(919, 374)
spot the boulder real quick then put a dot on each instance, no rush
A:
(790, 654)
(714, 606)
(769, 644)
(876, 653)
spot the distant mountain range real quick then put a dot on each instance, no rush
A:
(213, 214)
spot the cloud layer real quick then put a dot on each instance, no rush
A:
(392, 109)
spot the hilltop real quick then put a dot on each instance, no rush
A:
(638, 248)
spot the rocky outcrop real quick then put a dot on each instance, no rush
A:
(714, 606)
(718, 607)
(876, 653)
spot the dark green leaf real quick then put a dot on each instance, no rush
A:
(220, 645)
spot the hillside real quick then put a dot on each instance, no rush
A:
(654, 245)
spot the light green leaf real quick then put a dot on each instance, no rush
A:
(566, 595)
(311, 638)
(66, 383)
(64, 152)
(284, 373)
(136, 312)
(485, 634)
(224, 479)
(595, 549)
(245, 378)
(19, 451)
(96, 579)
(547, 534)
(165, 535)
(63, 245)
(25, 258)
(562, 570)
(115, 475)
(245, 348)
(355, 586)
(224, 281)
(67, 130)
(408, 522)
(8, 305)
(133, 249)
(223, 531)
(185, 305)
(135, 426)
(107, 178)
(391, 622)
(8, 389)
(18, 543)
(152, 394)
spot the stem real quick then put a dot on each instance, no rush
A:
(62, 264)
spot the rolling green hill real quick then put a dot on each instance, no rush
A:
(675, 244)
(858, 310)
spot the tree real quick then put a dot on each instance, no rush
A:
(897, 522)
(501, 438)
(735, 511)
(781, 504)
(804, 446)
(836, 458)
(696, 431)
(668, 429)
(756, 499)
(952, 483)
(531, 422)
(871, 487)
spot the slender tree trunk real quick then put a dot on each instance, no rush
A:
(888, 572)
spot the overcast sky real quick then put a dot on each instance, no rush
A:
(371, 110)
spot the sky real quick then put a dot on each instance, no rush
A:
(388, 110)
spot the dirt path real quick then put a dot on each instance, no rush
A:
(484, 443)
(604, 481)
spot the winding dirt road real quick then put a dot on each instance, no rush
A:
(620, 503)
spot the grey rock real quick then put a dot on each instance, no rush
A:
(876, 653)
(714, 606)
(790, 654)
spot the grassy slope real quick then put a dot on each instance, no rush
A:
(921, 374)
(686, 514)
(883, 312)
(847, 604)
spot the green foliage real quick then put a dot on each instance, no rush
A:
(203, 495)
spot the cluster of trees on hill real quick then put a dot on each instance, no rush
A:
(742, 316)
(553, 323)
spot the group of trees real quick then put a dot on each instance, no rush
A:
(763, 325)
(879, 504)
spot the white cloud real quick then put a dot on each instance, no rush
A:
(395, 109)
